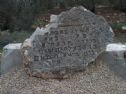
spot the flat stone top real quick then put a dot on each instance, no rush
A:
(116, 47)
(13, 46)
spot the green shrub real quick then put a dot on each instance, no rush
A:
(118, 26)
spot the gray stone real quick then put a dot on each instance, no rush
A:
(11, 57)
(115, 58)
(67, 44)
(117, 53)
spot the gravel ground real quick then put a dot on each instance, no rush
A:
(96, 79)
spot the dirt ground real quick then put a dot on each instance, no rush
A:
(96, 79)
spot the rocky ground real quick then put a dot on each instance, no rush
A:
(96, 79)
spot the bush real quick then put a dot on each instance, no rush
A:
(118, 26)
(20, 13)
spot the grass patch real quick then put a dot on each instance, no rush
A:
(118, 26)
(15, 36)
(20, 36)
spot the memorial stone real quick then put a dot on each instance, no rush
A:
(71, 41)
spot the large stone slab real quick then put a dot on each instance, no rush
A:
(11, 57)
(67, 44)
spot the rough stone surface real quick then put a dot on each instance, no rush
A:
(68, 44)
(11, 57)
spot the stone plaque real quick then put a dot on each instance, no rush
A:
(68, 44)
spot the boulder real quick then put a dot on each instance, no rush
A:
(71, 41)
(11, 57)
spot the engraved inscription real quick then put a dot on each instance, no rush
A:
(36, 58)
(61, 44)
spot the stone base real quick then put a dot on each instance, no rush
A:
(115, 58)
(11, 57)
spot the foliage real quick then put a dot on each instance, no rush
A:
(20, 14)
(120, 4)
(40, 22)
(118, 26)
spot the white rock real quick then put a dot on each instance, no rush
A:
(10, 47)
(123, 27)
(37, 31)
(116, 51)
(111, 29)
(53, 18)
(116, 47)
(11, 57)
(27, 43)
(42, 31)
